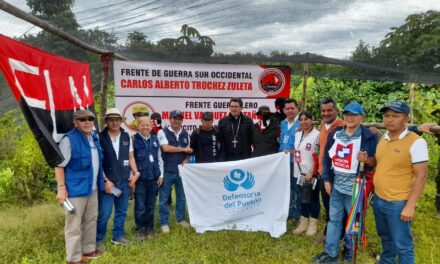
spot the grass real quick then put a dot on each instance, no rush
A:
(35, 235)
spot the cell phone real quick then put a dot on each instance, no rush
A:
(69, 207)
(116, 192)
(314, 182)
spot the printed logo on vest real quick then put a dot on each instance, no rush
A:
(343, 156)
(238, 177)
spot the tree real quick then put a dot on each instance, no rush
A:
(414, 46)
(137, 40)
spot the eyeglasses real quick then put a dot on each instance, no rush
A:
(90, 119)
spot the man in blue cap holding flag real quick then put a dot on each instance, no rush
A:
(346, 146)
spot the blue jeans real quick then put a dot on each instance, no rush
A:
(295, 196)
(105, 207)
(394, 233)
(339, 202)
(164, 193)
(144, 204)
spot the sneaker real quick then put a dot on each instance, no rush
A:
(77, 262)
(165, 229)
(184, 224)
(100, 246)
(121, 241)
(325, 258)
(92, 255)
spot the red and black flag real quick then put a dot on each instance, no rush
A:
(49, 89)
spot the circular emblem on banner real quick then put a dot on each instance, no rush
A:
(137, 107)
(272, 81)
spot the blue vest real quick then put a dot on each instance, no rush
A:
(114, 168)
(172, 160)
(287, 136)
(142, 151)
(79, 171)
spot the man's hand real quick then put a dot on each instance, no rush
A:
(425, 128)
(328, 187)
(374, 130)
(159, 181)
(407, 214)
(109, 186)
(133, 179)
(188, 150)
(61, 194)
(362, 156)
(185, 161)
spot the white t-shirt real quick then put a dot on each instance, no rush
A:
(305, 146)
(163, 138)
(116, 143)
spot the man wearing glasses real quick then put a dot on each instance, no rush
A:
(78, 178)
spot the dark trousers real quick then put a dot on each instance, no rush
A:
(145, 202)
(312, 208)
(326, 202)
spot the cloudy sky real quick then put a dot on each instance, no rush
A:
(327, 27)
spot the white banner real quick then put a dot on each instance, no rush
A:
(249, 195)
(144, 78)
(192, 108)
(195, 88)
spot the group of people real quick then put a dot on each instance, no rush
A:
(99, 171)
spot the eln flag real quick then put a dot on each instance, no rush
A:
(49, 89)
(249, 195)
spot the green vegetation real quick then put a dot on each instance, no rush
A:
(35, 235)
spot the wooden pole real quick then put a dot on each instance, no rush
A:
(52, 29)
(305, 76)
(105, 60)
(411, 98)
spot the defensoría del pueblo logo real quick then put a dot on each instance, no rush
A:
(238, 178)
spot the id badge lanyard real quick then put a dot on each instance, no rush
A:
(150, 156)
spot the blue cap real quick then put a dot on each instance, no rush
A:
(354, 108)
(397, 106)
(176, 113)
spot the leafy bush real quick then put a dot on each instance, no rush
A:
(26, 175)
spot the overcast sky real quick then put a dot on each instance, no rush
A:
(327, 27)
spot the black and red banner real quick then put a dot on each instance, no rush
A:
(48, 88)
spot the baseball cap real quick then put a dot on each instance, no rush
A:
(263, 108)
(176, 113)
(397, 106)
(207, 115)
(83, 114)
(354, 108)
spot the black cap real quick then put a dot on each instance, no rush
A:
(263, 108)
(207, 115)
